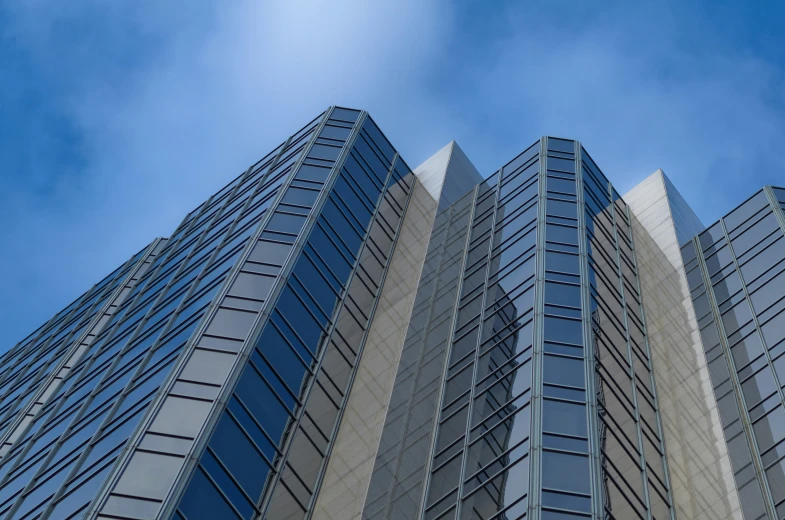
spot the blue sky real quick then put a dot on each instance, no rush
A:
(117, 118)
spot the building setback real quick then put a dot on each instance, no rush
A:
(334, 336)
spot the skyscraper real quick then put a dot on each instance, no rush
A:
(334, 335)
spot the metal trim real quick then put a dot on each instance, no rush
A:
(372, 314)
(590, 369)
(165, 387)
(535, 435)
(437, 416)
(735, 383)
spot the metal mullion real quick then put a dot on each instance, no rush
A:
(736, 386)
(44, 329)
(267, 495)
(535, 432)
(217, 490)
(162, 294)
(76, 417)
(338, 235)
(300, 403)
(499, 408)
(590, 360)
(39, 333)
(44, 385)
(449, 340)
(289, 343)
(47, 458)
(755, 321)
(313, 252)
(256, 423)
(360, 196)
(20, 414)
(491, 476)
(480, 326)
(342, 408)
(294, 329)
(275, 393)
(229, 474)
(142, 366)
(170, 502)
(633, 379)
(163, 387)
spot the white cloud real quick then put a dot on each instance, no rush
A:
(215, 94)
(171, 102)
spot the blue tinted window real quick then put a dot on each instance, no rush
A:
(225, 484)
(260, 400)
(240, 457)
(202, 500)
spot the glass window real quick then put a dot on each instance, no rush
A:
(768, 293)
(746, 350)
(774, 330)
(238, 454)
(563, 262)
(776, 478)
(561, 185)
(80, 497)
(300, 196)
(525, 156)
(563, 330)
(286, 223)
(565, 472)
(344, 114)
(260, 400)
(313, 173)
(563, 417)
(283, 359)
(563, 371)
(561, 208)
(335, 132)
(757, 232)
(770, 430)
(735, 317)
(369, 185)
(758, 387)
(202, 500)
(254, 286)
(564, 501)
(711, 236)
(566, 165)
(562, 294)
(745, 211)
(225, 483)
(760, 263)
(719, 261)
(251, 426)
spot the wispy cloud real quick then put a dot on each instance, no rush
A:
(159, 106)
(118, 118)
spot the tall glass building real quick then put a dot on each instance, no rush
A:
(335, 336)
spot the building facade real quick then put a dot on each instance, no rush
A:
(333, 335)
